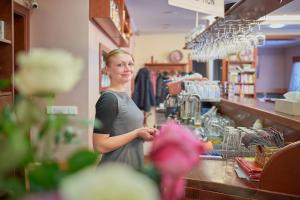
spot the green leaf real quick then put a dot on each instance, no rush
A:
(45, 177)
(69, 134)
(150, 171)
(4, 83)
(15, 151)
(14, 187)
(44, 128)
(81, 159)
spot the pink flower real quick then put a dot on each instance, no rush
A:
(43, 196)
(174, 152)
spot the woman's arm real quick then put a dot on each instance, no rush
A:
(103, 143)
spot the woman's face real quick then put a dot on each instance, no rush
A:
(120, 68)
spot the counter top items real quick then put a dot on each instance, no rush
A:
(248, 166)
(264, 153)
(206, 90)
(286, 106)
(290, 105)
(268, 137)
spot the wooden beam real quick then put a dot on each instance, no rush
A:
(282, 37)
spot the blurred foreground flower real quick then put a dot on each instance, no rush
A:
(174, 152)
(109, 182)
(45, 71)
(29, 137)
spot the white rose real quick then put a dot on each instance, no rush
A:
(109, 182)
(44, 71)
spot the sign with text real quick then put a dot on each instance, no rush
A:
(211, 7)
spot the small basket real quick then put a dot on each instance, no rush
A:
(175, 87)
(263, 154)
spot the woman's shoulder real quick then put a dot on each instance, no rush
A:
(107, 98)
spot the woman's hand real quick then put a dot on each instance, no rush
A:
(146, 133)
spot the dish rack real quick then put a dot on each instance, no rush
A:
(232, 146)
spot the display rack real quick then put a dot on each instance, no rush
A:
(240, 71)
(6, 52)
(112, 17)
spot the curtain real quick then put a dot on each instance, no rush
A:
(295, 77)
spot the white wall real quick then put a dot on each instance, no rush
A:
(64, 24)
(275, 66)
(95, 37)
(271, 68)
(159, 46)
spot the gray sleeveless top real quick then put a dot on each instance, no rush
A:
(128, 118)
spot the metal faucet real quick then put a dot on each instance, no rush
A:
(196, 108)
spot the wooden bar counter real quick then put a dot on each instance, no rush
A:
(218, 171)
(244, 111)
(216, 179)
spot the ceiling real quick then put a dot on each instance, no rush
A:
(156, 16)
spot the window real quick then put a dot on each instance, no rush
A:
(295, 77)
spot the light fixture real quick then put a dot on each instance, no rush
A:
(169, 12)
(276, 25)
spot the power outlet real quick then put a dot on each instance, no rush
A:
(64, 110)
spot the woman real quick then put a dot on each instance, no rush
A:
(121, 135)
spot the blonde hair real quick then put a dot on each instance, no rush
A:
(114, 53)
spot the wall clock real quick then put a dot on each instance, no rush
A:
(175, 56)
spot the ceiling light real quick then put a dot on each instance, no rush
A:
(168, 12)
(276, 25)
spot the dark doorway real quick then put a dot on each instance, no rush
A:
(200, 67)
(217, 70)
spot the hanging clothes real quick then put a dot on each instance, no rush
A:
(153, 78)
(143, 90)
(161, 88)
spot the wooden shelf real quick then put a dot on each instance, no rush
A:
(247, 72)
(7, 52)
(126, 27)
(100, 15)
(237, 94)
(244, 83)
(5, 41)
(183, 67)
(108, 26)
(5, 93)
(240, 62)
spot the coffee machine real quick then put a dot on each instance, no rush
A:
(190, 108)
